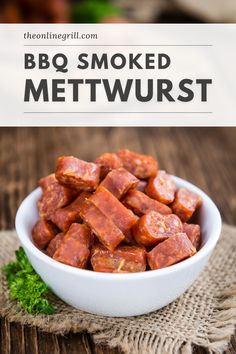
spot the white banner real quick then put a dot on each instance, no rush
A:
(118, 75)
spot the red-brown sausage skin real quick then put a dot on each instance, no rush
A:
(162, 188)
(78, 174)
(141, 204)
(43, 232)
(74, 248)
(119, 181)
(55, 196)
(193, 232)
(45, 182)
(125, 259)
(154, 228)
(102, 226)
(141, 166)
(185, 203)
(108, 162)
(54, 244)
(64, 217)
(123, 218)
(171, 251)
(129, 239)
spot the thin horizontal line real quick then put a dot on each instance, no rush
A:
(35, 112)
(118, 45)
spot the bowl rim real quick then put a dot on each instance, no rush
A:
(29, 246)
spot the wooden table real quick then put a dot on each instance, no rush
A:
(206, 157)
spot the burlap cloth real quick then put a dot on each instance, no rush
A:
(205, 315)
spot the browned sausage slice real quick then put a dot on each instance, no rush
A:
(141, 166)
(162, 188)
(74, 248)
(54, 244)
(123, 260)
(193, 232)
(45, 182)
(54, 196)
(154, 228)
(78, 174)
(64, 217)
(171, 251)
(119, 181)
(108, 162)
(103, 227)
(43, 232)
(123, 218)
(185, 203)
(141, 204)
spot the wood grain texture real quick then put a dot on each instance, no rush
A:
(204, 156)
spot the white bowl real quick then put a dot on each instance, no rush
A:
(120, 294)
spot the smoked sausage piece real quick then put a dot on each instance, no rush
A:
(162, 188)
(102, 226)
(74, 248)
(185, 203)
(108, 162)
(124, 259)
(129, 239)
(141, 166)
(122, 217)
(154, 228)
(45, 182)
(43, 232)
(171, 251)
(54, 244)
(141, 204)
(78, 174)
(64, 217)
(55, 196)
(119, 181)
(193, 232)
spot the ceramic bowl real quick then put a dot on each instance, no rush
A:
(120, 294)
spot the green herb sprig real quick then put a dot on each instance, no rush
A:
(93, 11)
(26, 286)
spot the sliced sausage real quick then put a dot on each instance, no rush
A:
(162, 188)
(74, 248)
(43, 232)
(108, 162)
(141, 166)
(193, 232)
(185, 203)
(141, 204)
(55, 196)
(45, 182)
(154, 228)
(129, 239)
(123, 218)
(54, 244)
(78, 174)
(171, 251)
(103, 227)
(64, 217)
(125, 259)
(119, 181)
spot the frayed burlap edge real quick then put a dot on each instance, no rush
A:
(133, 341)
(222, 327)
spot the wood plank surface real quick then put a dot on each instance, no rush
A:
(204, 156)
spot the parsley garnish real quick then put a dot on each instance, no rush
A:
(26, 286)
